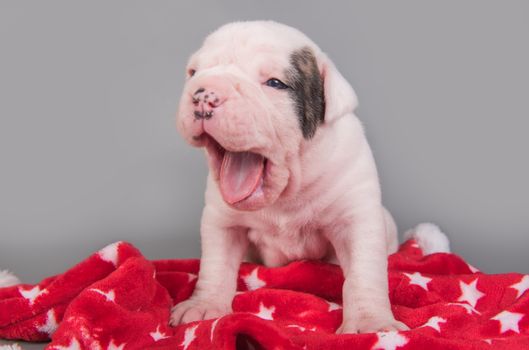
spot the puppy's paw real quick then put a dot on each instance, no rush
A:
(371, 325)
(196, 309)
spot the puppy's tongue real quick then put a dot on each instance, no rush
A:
(240, 174)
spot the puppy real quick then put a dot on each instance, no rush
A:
(291, 175)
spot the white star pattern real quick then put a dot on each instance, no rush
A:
(521, 286)
(303, 329)
(110, 253)
(113, 346)
(389, 341)
(434, 322)
(74, 345)
(110, 295)
(253, 281)
(473, 269)
(467, 307)
(10, 347)
(470, 292)
(189, 336)
(158, 335)
(32, 294)
(333, 306)
(51, 323)
(7, 279)
(419, 280)
(265, 313)
(508, 321)
(213, 325)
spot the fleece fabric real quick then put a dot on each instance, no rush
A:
(118, 300)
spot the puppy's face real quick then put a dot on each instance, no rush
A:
(254, 93)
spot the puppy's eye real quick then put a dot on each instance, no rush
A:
(191, 72)
(276, 84)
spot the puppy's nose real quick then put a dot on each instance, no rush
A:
(205, 101)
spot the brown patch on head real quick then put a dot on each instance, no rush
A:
(307, 90)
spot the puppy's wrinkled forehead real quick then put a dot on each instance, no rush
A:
(266, 49)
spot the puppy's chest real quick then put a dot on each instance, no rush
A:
(282, 238)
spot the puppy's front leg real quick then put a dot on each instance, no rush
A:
(222, 253)
(361, 248)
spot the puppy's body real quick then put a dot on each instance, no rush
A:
(291, 173)
(297, 227)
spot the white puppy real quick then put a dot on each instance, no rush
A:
(291, 173)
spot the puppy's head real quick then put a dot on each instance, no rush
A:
(255, 94)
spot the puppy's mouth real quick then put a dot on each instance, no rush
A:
(240, 174)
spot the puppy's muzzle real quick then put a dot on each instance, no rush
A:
(205, 102)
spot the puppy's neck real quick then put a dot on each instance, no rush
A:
(330, 155)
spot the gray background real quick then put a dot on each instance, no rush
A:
(89, 154)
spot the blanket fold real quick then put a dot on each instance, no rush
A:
(118, 300)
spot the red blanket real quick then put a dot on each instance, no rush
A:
(116, 299)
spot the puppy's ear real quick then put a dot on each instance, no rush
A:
(340, 98)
